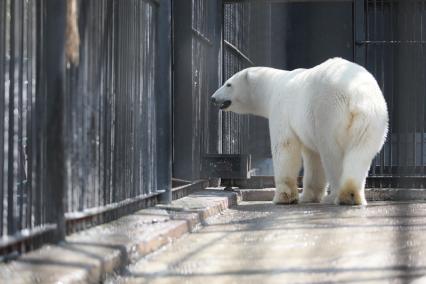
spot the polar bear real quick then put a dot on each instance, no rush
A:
(333, 115)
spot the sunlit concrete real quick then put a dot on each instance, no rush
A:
(257, 242)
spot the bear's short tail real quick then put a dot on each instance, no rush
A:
(366, 132)
(368, 120)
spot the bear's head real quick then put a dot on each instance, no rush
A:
(235, 94)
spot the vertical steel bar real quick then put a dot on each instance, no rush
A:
(3, 27)
(11, 222)
(28, 109)
(397, 97)
(35, 121)
(416, 90)
(182, 87)
(376, 54)
(114, 162)
(143, 102)
(415, 101)
(383, 83)
(391, 90)
(54, 62)
(21, 183)
(405, 36)
(423, 86)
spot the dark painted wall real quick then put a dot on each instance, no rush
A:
(296, 35)
(315, 32)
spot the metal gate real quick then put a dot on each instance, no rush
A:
(390, 43)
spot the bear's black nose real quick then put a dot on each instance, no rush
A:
(213, 100)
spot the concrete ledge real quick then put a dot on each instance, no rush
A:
(372, 194)
(88, 256)
(395, 194)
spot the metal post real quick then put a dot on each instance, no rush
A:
(183, 154)
(53, 61)
(359, 32)
(215, 122)
(164, 99)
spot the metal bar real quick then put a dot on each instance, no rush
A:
(24, 235)
(182, 90)
(54, 62)
(35, 120)
(123, 204)
(238, 52)
(77, 221)
(21, 183)
(116, 72)
(29, 96)
(383, 85)
(423, 76)
(164, 99)
(201, 37)
(11, 223)
(414, 102)
(2, 104)
(402, 76)
(216, 60)
(392, 91)
(396, 88)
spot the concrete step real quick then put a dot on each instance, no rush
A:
(89, 256)
(372, 194)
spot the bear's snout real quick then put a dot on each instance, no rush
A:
(223, 104)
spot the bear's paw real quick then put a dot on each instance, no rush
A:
(350, 194)
(281, 197)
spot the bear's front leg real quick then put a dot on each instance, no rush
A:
(286, 156)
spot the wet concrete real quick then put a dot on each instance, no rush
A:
(257, 242)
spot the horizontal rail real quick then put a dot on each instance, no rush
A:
(12, 246)
(112, 206)
(238, 52)
(77, 221)
(184, 190)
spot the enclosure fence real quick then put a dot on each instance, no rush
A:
(393, 39)
(84, 144)
(28, 204)
(88, 134)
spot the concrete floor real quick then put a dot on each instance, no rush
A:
(257, 242)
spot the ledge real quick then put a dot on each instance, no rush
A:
(372, 194)
(90, 255)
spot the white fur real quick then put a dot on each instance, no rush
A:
(334, 115)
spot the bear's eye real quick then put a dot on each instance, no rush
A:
(228, 85)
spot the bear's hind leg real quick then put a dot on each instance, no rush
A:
(332, 163)
(356, 164)
(314, 181)
(355, 169)
(287, 162)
